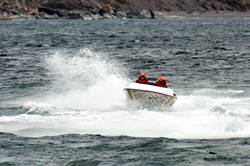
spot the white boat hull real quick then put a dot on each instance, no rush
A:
(150, 95)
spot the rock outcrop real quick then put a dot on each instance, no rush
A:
(117, 8)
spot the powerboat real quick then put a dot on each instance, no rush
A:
(149, 95)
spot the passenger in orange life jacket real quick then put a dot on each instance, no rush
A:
(142, 78)
(162, 82)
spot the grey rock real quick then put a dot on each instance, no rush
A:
(101, 9)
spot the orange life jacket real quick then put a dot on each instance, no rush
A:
(160, 85)
(145, 81)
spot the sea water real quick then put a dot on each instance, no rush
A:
(62, 99)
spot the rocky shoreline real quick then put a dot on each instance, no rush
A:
(105, 9)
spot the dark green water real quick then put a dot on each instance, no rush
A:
(62, 100)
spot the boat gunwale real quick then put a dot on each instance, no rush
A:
(150, 91)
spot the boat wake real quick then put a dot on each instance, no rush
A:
(86, 97)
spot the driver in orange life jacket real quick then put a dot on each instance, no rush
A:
(142, 78)
(162, 82)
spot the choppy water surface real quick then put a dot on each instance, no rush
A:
(62, 100)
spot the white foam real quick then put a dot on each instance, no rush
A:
(140, 123)
(86, 81)
(89, 99)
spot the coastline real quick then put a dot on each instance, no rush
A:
(122, 9)
(144, 15)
